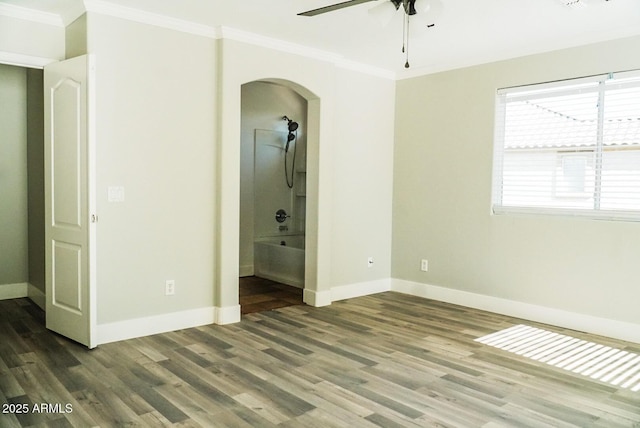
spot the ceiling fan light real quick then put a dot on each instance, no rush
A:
(574, 4)
(383, 13)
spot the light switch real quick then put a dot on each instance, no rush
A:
(116, 194)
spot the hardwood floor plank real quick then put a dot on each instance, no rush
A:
(282, 318)
(198, 407)
(288, 359)
(280, 398)
(385, 422)
(336, 351)
(317, 418)
(8, 356)
(9, 386)
(203, 335)
(261, 408)
(402, 375)
(105, 408)
(270, 336)
(514, 415)
(197, 383)
(385, 360)
(260, 295)
(340, 397)
(24, 418)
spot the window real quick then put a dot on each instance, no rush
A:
(569, 148)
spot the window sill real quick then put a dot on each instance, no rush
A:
(630, 216)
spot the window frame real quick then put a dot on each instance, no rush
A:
(600, 83)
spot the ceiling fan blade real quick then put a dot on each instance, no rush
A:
(333, 7)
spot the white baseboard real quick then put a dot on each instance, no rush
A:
(227, 314)
(316, 298)
(572, 320)
(13, 291)
(360, 289)
(129, 329)
(37, 296)
(140, 327)
(342, 292)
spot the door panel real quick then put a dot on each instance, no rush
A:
(67, 229)
(67, 151)
(66, 286)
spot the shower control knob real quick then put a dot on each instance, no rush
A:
(281, 215)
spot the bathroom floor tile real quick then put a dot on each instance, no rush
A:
(258, 295)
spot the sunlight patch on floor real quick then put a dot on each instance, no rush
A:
(604, 363)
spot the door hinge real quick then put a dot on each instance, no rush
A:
(94, 218)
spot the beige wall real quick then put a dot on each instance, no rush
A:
(13, 175)
(156, 95)
(155, 111)
(31, 44)
(241, 63)
(33, 39)
(346, 109)
(167, 111)
(362, 176)
(35, 171)
(442, 196)
(76, 37)
(156, 115)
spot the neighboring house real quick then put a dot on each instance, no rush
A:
(557, 148)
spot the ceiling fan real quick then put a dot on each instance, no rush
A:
(409, 7)
(384, 12)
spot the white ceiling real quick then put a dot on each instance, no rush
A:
(468, 31)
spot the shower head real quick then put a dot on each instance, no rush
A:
(290, 138)
(292, 125)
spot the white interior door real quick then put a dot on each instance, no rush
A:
(67, 216)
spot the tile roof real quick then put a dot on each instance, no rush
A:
(532, 126)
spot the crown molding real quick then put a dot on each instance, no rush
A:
(367, 69)
(18, 12)
(304, 51)
(106, 8)
(277, 44)
(221, 32)
(217, 32)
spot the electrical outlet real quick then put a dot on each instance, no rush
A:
(370, 262)
(424, 265)
(169, 287)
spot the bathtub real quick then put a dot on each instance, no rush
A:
(280, 259)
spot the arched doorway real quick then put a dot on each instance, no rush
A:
(316, 248)
(273, 177)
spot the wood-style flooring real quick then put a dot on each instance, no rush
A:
(387, 360)
(259, 295)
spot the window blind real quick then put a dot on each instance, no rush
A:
(569, 148)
